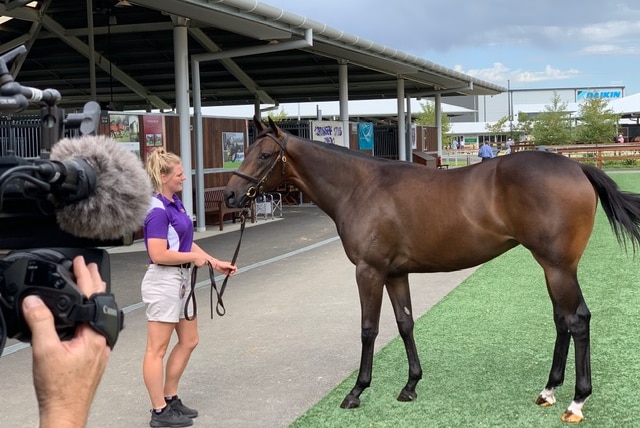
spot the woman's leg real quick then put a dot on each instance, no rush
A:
(180, 354)
(158, 336)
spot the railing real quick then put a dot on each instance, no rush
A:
(600, 153)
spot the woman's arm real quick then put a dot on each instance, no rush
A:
(219, 265)
(161, 255)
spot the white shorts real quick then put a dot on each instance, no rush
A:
(165, 290)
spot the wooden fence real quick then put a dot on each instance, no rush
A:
(598, 154)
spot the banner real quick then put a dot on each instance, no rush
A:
(365, 135)
(153, 130)
(329, 131)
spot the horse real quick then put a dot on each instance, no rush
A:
(541, 200)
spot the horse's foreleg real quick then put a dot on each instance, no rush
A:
(400, 295)
(370, 288)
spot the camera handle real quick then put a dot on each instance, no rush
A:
(14, 98)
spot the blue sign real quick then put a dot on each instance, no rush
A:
(586, 94)
(365, 135)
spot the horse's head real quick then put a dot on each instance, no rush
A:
(262, 169)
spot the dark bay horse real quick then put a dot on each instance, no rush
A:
(395, 218)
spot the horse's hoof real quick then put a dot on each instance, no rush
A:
(544, 402)
(407, 395)
(569, 416)
(350, 402)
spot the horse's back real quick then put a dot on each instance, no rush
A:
(472, 214)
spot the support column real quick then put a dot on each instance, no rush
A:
(402, 149)
(438, 111)
(199, 147)
(256, 108)
(409, 126)
(180, 49)
(343, 79)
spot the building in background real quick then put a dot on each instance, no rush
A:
(484, 110)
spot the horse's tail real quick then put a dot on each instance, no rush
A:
(622, 208)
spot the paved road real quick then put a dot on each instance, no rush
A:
(290, 335)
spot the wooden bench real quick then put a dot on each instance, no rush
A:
(214, 206)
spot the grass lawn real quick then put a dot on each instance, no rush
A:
(486, 349)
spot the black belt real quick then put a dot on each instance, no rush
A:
(183, 265)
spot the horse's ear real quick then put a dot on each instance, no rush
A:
(258, 123)
(277, 131)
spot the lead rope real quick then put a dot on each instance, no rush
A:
(191, 297)
(220, 310)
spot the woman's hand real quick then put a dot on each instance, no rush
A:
(224, 267)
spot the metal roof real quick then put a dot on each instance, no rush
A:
(628, 107)
(134, 55)
(382, 110)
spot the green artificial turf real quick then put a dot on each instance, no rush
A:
(486, 349)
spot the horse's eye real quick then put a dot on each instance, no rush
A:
(265, 156)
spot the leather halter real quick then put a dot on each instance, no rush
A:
(255, 190)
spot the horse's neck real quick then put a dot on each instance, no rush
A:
(323, 175)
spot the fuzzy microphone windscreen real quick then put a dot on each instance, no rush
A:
(122, 195)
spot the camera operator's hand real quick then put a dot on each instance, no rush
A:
(66, 374)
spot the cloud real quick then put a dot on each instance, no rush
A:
(500, 73)
(610, 49)
(549, 73)
(587, 42)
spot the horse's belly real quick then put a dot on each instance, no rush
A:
(452, 255)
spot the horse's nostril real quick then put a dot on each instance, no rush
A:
(230, 199)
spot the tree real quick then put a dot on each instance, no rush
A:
(597, 122)
(498, 127)
(553, 125)
(428, 118)
(280, 116)
(523, 127)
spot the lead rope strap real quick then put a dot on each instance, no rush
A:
(191, 297)
(220, 310)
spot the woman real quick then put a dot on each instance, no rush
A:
(168, 236)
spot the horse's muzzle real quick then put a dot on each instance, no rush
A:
(234, 200)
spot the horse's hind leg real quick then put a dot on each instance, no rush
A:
(400, 295)
(370, 288)
(572, 318)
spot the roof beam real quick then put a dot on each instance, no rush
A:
(231, 66)
(50, 24)
(31, 36)
(103, 63)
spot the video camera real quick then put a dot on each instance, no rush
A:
(31, 189)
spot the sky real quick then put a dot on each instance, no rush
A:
(529, 44)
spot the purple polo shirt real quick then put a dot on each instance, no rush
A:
(168, 220)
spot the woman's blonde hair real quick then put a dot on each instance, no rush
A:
(160, 162)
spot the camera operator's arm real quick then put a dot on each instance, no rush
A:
(66, 374)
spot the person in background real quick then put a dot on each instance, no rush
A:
(620, 139)
(485, 152)
(66, 373)
(509, 146)
(168, 237)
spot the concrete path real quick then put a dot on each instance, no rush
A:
(290, 335)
